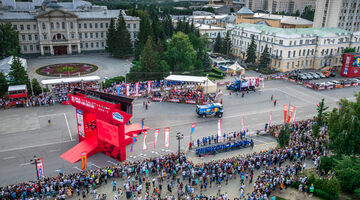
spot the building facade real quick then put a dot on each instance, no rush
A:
(221, 2)
(288, 6)
(56, 31)
(290, 49)
(343, 14)
(244, 15)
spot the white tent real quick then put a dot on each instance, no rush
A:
(209, 86)
(236, 68)
(70, 80)
(5, 64)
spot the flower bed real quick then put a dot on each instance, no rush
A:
(66, 69)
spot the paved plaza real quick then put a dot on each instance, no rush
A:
(24, 132)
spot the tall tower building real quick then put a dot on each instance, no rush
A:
(343, 14)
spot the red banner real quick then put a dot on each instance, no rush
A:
(294, 115)
(219, 129)
(156, 134)
(270, 118)
(144, 142)
(157, 98)
(285, 112)
(174, 100)
(243, 124)
(190, 101)
(355, 84)
(291, 111)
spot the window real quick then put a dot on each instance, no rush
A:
(86, 45)
(37, 47)
(45, 36)
(96, 35)
(80, 35)
(52, 25)
(29, 36)
(43, 26)
(81, 45)
(294, 53)
(86, 35)
(301, 42)
(289, 54)
(15, 27)
(79, 26)
(36, 37)
(96, 25)
(92, 45)
(290, 43)
(63, 25)
(85, 25)
(287, 65)
(280, 52)
(101, 25)
(281, 42)
(57, 25)
(28, 27)
(34, 26)
(71, 25)
(97, 44)
(25, 48)
(102, 34)
(107, 25)
(90, 25)
(72, 35)
(91, 35)
(292, 65)
(294, 43)
(102, 44)
(22, 27)
(128, 25)
(31, 48)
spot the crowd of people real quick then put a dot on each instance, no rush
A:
(61, 91)
(168, 177)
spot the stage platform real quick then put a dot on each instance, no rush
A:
(134, 129)
(74, 154)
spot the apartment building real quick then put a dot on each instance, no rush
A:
(298, 48)
(290, 6)
(343, 14)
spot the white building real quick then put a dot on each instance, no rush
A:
(296, 48)
(343, 14)
(211, 31)
(290, 6)
(54, 30)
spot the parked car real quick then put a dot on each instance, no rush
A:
(320, 75)
(314, 75)
(302, 77)
(309, 76)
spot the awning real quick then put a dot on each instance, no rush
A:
(181, 78)
(16, 87)
(70, 80)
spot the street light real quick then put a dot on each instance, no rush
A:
(34, 162)
(179, 137)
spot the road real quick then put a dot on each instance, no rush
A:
(24, 132)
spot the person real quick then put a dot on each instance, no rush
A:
(272, 97)
(49, 122)
(311, 190)
(114, 185)
(242, 93)
(275, 102)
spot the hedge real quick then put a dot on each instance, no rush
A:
(117, 79)
(217, 71)
(217, 76)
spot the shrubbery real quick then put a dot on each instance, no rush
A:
(117, 79)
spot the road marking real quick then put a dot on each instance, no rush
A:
(50, 115)
(67, 124)
(265, 144)
(142, 156)
(96, 165)
(10, 157)
(34, 146)
(304, 99)
(54, 150)
(23, 164)
(129, 160)
(109, 161)
(78, 168)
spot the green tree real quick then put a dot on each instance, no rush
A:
(226, 44)
(297, 13)
(207, 62)
(158, 30)
(348, 173)
(144, 32)
(320, 118)
(3, 84)
(308, 13)
(9, 40)
(111, 37)
(168, 26)
(218, 44)
(149, 60)
(123, 41)
(36, 86)
(232, 10)
(284, 136)
(19, 75)
(265, 57)
(251, 51)
(180, 55)
(344, 128)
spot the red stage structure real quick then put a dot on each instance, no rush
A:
(351, 65)
(101, 121)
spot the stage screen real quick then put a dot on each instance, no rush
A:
(108, 132)
(356, 62)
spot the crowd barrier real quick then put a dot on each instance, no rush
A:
(162, 99)
(212, 150)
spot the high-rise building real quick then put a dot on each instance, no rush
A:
(288, 6)
(343, 14)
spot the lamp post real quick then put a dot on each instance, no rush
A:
(34, 162)
(179, 137)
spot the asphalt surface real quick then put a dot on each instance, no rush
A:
(24, 132)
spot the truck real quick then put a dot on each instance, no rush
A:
(215, 109)
(246, 84)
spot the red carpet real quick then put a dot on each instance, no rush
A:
(74, 154)
(134, 129)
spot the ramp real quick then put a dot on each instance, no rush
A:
(134, 129)
(74, 154)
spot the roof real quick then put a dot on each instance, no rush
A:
(263, 22)
(245, 11)
(193, 79)
(5, 64)
(208, 27)
(293, 32)
(16, 87)
(70, 80)
(284, 19)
